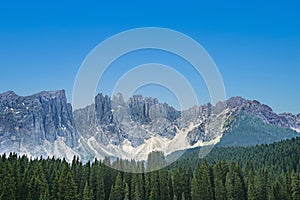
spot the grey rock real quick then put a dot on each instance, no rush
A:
(32, 119)
(196, 134)
(103, 109)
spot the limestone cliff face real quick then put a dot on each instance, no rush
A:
(44, 124)
(114, 120)
(29, 121)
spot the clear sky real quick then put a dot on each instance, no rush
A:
(255, 44)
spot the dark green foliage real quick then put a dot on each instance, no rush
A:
(295, 186)
(278, 157)
(67, 189)
(202, 186)
(126, 196)
(154, 186)
(164, 184)
(220, 172)
(137, 190)
(38, 186)
(87, 192)
(178, 178)
(117, 191)
(8, 188)
(262, 172)
(234, 184)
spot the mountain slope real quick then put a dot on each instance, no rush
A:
(249, 130)
(132, 129)
(278, 156)
(44, 124)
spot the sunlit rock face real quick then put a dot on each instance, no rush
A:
(44, 124)
(28, 122)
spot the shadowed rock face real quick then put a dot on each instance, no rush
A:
(148, 109)
(103, 109)
(142, 118)
(32, 119)
(113, 120)
(44, 118)
(264, 112)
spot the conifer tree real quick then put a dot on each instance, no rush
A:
(136, 188)
(220, 191)
(295, 186)
(195, 187)
(38, 186)
(276, 192)
(178, 182)
(251, 190)
(155, 186)
(126, 192)
(171, 187)
(9, 188)
(164, 184)
(235, 188)
(67, 189)
(87, 192)
(117, 192)
(261, 185)
(188, 176)
(202, 187)
(206, 184)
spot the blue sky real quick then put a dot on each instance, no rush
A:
(256, 45)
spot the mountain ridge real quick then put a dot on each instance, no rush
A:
(114, 127)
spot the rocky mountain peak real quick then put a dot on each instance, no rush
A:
(44, 124)
(118, 100)
(103, 109)
(8, 94)
(31, 120)
(235, 102)
(147, 109)
(60, 94)
(140, 108)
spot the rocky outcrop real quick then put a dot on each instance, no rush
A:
(142, 118)
(114, 120)
(29, 121)
(145, 110)
(44, 124)
(264, 112)
(103, 109)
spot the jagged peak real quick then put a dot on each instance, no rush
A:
(236, 98)
(118, 95)
(51, 94)
(240, 101)
(136, 97)
(8, 93)
(101, 95)
(235, 101)
(45, 94)
(286, 114)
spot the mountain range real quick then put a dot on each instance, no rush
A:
(44, 124)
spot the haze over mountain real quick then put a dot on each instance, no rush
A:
(44, 124)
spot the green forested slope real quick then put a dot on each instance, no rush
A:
(261, 172)
(249, 130)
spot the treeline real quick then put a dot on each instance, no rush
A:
(276, 158)
(231, 178)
